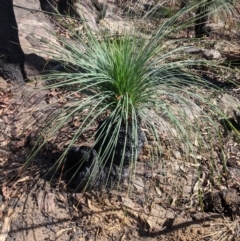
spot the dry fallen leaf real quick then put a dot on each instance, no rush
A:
(6, 225)
(60, 232)
(23, 179)
(92, 207)
(61, 197)
(127, 202)
(157, 217)
(138, 184)
(45, 201)
(6, 191)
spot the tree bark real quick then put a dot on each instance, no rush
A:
(11, 54)
(202, 16)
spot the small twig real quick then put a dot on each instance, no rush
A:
(60, 178)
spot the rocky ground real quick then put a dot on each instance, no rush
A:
(165, 199)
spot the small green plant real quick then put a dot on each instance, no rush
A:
(128, 84)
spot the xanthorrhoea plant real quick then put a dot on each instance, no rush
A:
(205, 8)
(128, 83)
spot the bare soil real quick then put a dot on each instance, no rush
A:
(164, 201)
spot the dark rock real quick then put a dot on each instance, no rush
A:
(85, 171)
(114, 175)
(230, 199)
(213, 203)
(225, 201)
(34, 64)
(123, 135)
(12, 71)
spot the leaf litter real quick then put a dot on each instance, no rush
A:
(162, 195)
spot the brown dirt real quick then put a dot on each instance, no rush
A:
(162, 203)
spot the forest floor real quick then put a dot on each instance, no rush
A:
(164, 201)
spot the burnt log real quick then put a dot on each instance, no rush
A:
(201, 18)
(84, 171)
(11, 53)
(202, 15)
(128, 145)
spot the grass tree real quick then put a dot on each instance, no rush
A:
(129, 85)
(205, 8)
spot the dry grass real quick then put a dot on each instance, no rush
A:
(225, 231)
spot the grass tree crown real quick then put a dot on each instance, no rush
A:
(129, 82)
